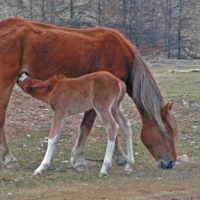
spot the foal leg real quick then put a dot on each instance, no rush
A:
(111, 129)
(57, 125)
(77, 160)
(127, 130)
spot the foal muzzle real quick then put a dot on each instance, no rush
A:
(22, 76)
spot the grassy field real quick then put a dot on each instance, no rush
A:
(146, 181)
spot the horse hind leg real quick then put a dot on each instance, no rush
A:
(118, 155)
(127, 130)
(77, 157)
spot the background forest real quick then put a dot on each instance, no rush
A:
(170, 28)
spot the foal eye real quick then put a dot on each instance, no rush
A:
(27, 89)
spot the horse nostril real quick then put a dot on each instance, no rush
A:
(161, 164)
(170, 164)
(165, 165)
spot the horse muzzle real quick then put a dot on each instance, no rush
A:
(165, 164)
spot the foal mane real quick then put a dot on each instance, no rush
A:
(49, 82)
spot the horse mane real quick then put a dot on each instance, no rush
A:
(172, 122)
(145, 91)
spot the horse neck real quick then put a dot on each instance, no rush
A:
(143, 114)
(147, 119)
(146, 94)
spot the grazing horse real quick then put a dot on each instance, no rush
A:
(100, 91)
(44, 50)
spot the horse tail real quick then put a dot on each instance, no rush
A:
(145, 91)
(120, 96)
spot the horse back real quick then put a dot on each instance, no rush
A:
(44, 50)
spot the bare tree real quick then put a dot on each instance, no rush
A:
(173, 24)
(179, 28)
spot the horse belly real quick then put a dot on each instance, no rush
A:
(76, 107)
(59, 56)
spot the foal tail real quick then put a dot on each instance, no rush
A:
(118, 100)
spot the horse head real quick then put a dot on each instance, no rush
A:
(161, 144)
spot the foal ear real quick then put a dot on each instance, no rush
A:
(26, 88)
(164, 110)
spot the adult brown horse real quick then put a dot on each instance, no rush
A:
(44, 50)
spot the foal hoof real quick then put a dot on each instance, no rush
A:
(13, 165)
(36, 173)
(81, 168)
(101, 175)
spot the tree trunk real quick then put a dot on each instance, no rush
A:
(179, 29)
(43, 13)
(169, 2)
(31, 10)
(71, 10)
(53, 11)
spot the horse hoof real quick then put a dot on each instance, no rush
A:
(102, 175)
(81, 168)
(13, 165)
(36, 174)
(122, 164)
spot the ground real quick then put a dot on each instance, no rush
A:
(28, 122)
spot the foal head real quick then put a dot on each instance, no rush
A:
(37, 88)
(161, 145)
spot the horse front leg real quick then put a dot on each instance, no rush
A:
(6, 157)
(57, 125)
(77, 157)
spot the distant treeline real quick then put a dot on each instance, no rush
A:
(171, 27)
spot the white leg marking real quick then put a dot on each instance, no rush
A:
(52, 143)
(108, 158)
(57, 124)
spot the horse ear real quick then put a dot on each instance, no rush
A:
(170, 105)
(164, 109)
